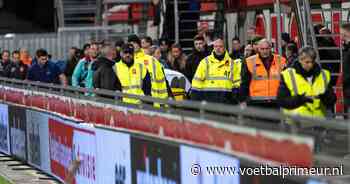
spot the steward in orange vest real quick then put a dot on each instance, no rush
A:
(261, 75)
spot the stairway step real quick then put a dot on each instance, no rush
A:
(79, 18)
(67, 24)
(79, 8)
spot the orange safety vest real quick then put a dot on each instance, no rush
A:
(264, 84)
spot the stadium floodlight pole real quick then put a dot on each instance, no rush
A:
(279, 21)
(176, 19)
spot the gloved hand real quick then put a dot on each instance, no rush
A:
(302, 99)
(322, 97)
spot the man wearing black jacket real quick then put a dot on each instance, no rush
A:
(108, 76)
(199, 52)
(5, 61)
(16, 69)
(305, 88)
(104, 77)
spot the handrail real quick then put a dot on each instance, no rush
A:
(203, 107)
(59, 7)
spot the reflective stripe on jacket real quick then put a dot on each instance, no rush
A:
(217, 76)
(297, 85)
(131, 79)
(264, 84)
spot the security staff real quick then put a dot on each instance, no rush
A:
(305, 88)
(132, 77)
(160, 87)
(261, 76)
(217, 78)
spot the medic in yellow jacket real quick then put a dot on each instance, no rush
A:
(217, 78)
(160, 87)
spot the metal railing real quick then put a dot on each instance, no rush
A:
(331, 135)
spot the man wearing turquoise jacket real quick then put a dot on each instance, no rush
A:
(84, 71)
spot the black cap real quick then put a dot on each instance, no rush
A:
(119, 43)
(134, 38)
(127, 48)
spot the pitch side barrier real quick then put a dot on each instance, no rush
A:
(49, 126)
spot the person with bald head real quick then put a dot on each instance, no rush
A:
(261, 76)
(217, 77)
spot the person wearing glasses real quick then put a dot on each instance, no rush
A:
(46, 71)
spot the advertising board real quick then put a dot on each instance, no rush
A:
(195, 159)
(69, 141)
(154, 162)
(38, 140)
(114, 162)
(4, 130)
(18, 122)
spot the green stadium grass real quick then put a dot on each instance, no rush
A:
(4, 181)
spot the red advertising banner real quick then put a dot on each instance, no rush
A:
(61, 144)
(69, 141)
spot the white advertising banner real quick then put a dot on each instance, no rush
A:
(195, 163)
(114, 162)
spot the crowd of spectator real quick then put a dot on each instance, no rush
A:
(92, 66)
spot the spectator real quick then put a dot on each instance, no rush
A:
(305, 88)
(96, 46)
(345, 30)
(5, 61)
(135, 41)
(84, 70)
(16, 69)
(260, 77)
(236, 51)
(177, 59)
(45, 71)
(164, 47)
(85, 51)
(285, 41)
(157, 53)
(248, 51)
(199, 52)
(132, 78)
(291, 54)
(25, 57)
(118, 45)
(251, 33)
(104, 77)
(217, 78)
(146, 43)
(71, 63)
